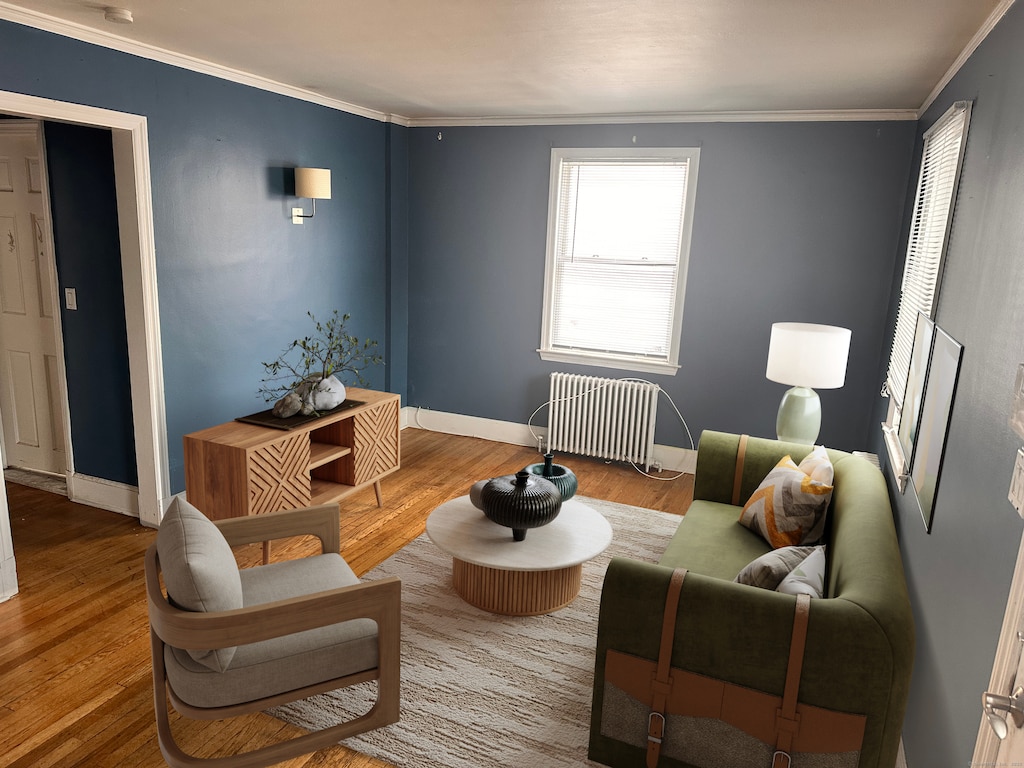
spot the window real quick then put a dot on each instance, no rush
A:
(941, 162)
(619, 224)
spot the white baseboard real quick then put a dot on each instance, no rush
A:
(671, 458)
(105, 494)
(124, 499)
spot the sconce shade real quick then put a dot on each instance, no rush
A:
(808, 355)
(313, 182)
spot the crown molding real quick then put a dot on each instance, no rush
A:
(104, 39)
(994, 18)
(793, 116)
(86, 34)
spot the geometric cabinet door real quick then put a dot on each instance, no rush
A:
(278, 478)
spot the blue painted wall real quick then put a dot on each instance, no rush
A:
(235, 276)
(793, 222)
(959, 575)
(437, 250)
(80, 164)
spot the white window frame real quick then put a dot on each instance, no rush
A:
(609, 359)
(934, 204)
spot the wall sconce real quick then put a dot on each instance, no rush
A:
(314, 183)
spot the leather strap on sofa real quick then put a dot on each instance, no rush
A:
(737, 481)
(787, 721)
(661, 686)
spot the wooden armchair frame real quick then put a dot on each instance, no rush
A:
(378, 600)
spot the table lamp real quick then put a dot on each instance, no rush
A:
(807, 357)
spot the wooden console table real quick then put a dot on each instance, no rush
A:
(237, 469)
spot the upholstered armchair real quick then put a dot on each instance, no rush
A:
(229, 641)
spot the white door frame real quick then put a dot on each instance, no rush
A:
(138, 265)
(1004, 667)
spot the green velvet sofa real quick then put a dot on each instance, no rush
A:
(860, 640)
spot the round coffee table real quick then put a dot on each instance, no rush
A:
(538, 575)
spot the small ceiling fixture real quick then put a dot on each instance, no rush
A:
(118, 15)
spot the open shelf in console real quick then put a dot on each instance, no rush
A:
(323, 453)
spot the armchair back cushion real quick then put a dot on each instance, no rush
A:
(199, 570)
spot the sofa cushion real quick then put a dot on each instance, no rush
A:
(710, 541)
(788, 508)
(768, 571)
(199, 570)
(284, 663)
(808, 578)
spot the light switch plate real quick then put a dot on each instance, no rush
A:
(70, 298)
(1016, 495)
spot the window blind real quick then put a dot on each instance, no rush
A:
(929, 232)
(620, 225)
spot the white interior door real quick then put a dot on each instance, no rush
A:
(1007, 675)
(30, 393)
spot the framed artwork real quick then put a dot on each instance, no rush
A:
(933, 426)
(914, 393)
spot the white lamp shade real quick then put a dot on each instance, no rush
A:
(808, 355)
(313, 183)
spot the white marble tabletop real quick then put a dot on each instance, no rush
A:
(578, 534)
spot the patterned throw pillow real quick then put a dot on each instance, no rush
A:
(768, 571)
(788, 508)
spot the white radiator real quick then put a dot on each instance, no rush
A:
(604, 418)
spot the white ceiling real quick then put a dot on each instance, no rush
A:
(435, 61)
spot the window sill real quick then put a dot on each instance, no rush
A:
(608, 361)
(897, 462)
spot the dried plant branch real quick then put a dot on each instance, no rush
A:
(329, 351)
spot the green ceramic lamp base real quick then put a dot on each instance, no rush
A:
(799, 417)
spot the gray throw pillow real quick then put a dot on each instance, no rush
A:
(199, 570)
(771, 568)
(808, 578)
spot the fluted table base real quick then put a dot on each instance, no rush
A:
(516, 593)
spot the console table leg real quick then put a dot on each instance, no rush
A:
(380, 496)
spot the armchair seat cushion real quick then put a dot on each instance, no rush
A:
(283, 663)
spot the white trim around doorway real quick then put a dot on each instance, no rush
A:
(138, 262)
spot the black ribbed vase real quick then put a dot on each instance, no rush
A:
(520, 502)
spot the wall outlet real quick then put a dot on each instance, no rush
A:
(1016, 495)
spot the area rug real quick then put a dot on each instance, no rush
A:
(486, 691)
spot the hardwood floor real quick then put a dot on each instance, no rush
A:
(75, 685)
